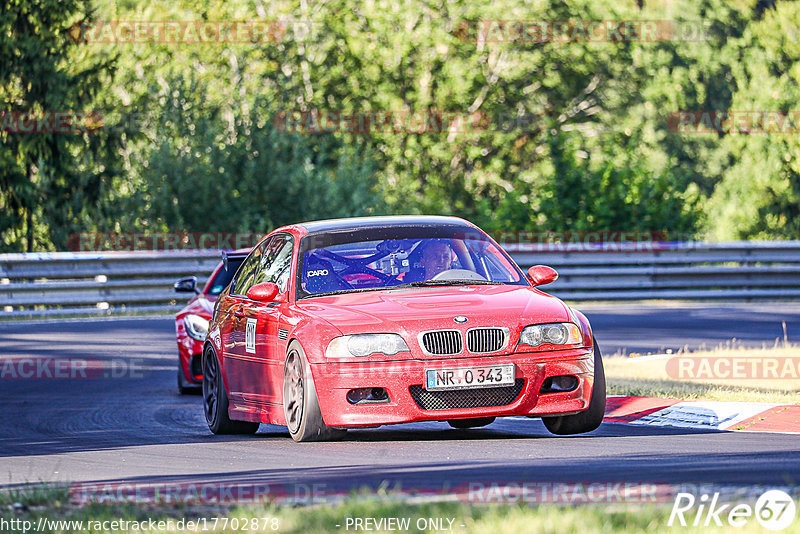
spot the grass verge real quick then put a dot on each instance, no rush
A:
(53, 504)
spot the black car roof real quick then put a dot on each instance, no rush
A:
(360, 223)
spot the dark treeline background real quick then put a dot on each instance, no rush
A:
(578, 135)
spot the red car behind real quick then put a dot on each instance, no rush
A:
(356, 323)
(191, 323)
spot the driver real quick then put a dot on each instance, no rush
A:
(437, 257)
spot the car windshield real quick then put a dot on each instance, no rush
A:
(397, 257)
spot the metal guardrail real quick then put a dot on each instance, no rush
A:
(93, 283)
(653, 270)
(82, 283)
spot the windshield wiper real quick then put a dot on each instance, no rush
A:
(446, 283)
(343, 291)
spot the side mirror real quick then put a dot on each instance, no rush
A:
(263, 292)
(186, 285)
(540, 275)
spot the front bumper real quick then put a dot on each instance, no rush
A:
(189, 353)
(333, 380)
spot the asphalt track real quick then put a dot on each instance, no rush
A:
(136, 428)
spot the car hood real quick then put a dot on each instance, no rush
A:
(414, 310)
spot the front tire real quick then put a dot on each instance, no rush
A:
(300, 402)
(589, 419)
(215, 400)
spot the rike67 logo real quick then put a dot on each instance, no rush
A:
(774, 510)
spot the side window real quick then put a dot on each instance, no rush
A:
(276, 262)
(245, 277)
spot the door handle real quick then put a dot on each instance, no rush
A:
(238, 313)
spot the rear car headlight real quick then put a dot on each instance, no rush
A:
(555, 334)
(366, 344)
(196, 326)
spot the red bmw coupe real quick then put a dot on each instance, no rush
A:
(363, 322)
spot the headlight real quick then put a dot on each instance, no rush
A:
(366, 344)
(196, 326)
(555, 334)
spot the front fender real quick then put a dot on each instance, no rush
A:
(586, 328)
(314, 334)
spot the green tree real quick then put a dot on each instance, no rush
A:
(758, 196)
(574, 135)
(225, 167)
(49, 182)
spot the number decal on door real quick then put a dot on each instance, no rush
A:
(250, 336)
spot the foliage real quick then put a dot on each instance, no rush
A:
(226, 168)
(567, 135)
(49, 182)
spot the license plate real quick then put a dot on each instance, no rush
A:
(469, 377)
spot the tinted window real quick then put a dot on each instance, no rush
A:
(224, 276)
(247, 272)
(276, 262)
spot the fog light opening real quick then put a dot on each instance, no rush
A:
(367, 396)
(559, 384)
(196, 367)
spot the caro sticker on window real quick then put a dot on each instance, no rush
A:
(250, 336)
